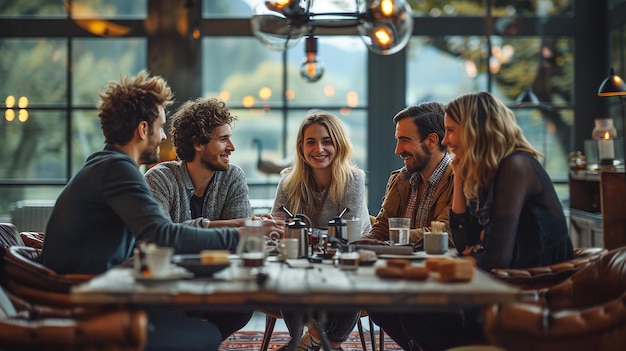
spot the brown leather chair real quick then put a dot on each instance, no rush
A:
(585, 312)
(112, 330)
(24, 276)
(543, 277)
(36, 312)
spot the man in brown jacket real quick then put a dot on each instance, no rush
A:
(422, 189)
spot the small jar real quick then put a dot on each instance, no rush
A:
(576, 161)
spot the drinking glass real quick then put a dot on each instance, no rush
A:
(399, 231)
(251, 247)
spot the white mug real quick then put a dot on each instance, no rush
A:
(158, 260)
(435, 243)
(288, 248)
(353, 229)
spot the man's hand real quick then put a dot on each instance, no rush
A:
(370, 242)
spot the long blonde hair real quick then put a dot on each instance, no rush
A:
(488, 134)
(299, 184)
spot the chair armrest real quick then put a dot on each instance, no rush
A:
(33, 239)
(119, 330)
(545, 276)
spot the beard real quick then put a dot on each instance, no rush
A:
(420, 159)
(151, 153)
(215, 166)
(150, 156)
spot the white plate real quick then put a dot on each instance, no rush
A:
(175, 274)
(419, 255)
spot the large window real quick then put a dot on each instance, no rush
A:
(58, 55)
(271, 99)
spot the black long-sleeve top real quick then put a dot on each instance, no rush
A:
(522, 218)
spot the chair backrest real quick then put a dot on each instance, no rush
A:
(602, 281)
(9, 236)
(24, 276)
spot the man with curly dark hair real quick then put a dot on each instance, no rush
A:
(107, 207)
(203, 188)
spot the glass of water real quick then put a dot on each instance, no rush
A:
(399, 229)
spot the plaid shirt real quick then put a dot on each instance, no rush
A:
(420, 214)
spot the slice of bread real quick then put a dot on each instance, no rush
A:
(456, 271)
(214, 257)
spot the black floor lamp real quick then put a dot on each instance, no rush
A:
(614, 85)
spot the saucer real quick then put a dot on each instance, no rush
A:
(175, 273)
(326, 255)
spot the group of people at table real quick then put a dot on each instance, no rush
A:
(466, 163)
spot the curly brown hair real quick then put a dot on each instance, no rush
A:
(131, 100)
(194, 123)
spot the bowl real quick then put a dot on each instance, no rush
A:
(193, 264)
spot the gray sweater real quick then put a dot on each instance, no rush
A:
(354, 199)
(226, 196)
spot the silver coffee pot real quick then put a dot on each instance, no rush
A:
(298, 229)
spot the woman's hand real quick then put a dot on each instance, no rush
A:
(263, 217)
(469, 250)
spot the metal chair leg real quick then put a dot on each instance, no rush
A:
(373, 336)
(270, 322)
(361, 334)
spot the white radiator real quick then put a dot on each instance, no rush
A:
(31, 215)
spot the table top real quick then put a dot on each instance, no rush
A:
(323, 284)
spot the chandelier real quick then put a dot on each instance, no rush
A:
(385, 26)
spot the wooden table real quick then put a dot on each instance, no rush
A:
(322, 285)
(319, 289)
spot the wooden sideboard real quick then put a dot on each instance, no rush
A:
(598, 208)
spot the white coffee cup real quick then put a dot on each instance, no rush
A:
(288, 248)
(435, 243)
(159, 260)
(353, 228)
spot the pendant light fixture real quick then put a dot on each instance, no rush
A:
(385, 26)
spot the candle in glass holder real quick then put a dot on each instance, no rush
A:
(606, 151)
(604, 132)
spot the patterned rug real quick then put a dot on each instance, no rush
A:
(251, 341)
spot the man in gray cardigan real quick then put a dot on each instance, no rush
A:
(203, 189)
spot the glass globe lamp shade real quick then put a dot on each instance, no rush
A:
(311, 69)
(279, 27)
(386, 25)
